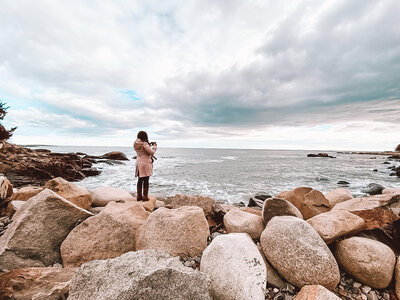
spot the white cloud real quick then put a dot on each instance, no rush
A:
(202, 69)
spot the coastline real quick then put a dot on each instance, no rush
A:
(222, 220)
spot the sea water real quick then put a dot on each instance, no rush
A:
(233, 175)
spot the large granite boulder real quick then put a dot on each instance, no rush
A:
(251, 210)
(36, 283)
(6, 188)
(391, 191)
(147, 274)
(237, 220)
(273, 278)
(278, 207)
(235, 266)
(109, 234)
(179, 232)
(369, 261)
(34, 237)
(315, 292)
(308, 201)
(72, 192)
(13, 206)
(379, 217)
(338, 195)
(26, 192)
(104, 195)
(298, 253)
(365, 203)
(335, 224)
(206, 203)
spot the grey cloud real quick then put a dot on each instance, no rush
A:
(351, 54)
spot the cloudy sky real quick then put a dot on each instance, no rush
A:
(293, 74)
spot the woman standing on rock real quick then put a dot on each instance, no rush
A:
(144, 164)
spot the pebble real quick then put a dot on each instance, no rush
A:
(365, 289)
(372, 296)
(57, 265)
(214, 235)
(356, 284)
(386, 296)
(355, 290)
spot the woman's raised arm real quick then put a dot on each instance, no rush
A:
(149, 150)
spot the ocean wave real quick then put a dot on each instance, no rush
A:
(229, 157)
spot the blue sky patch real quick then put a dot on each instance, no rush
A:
(133, 95)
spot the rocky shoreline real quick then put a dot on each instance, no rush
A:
(24, 166)
(59, 240)
(391, 156)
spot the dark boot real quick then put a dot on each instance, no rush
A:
(145, 194)
(139, 191)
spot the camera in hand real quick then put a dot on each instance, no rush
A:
(152, 143)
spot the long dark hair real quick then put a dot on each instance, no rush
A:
(142, 135)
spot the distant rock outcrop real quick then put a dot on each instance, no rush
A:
(320, 155)
(116, 155)
(23, 166)
(397, 148)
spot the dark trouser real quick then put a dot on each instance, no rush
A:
(143, 181)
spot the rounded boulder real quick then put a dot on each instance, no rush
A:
(78, 195)
(104, 195)
(273, 207)
(298, 253)
(315, 292)
(109, 234)
(338, 195)
(240, 221)
(179, 232)
(335, 224)
(235, 266)
(26, 192)
(369, 261)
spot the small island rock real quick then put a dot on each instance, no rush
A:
(115, 155)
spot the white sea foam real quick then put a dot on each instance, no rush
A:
(229, 157)
(233, 176)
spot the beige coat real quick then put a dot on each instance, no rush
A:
(144, 165)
